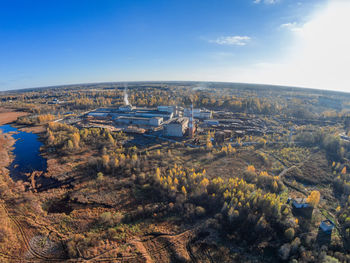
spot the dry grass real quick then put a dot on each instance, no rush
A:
(10, 115)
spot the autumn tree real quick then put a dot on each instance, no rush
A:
(183, 190)
(105, 160)
(343, 171)
(100, 176)
(76, 139)
(70, 145)
(209, 144)
(50, 138)
(251, 169)
(314, 198)
(110, 139)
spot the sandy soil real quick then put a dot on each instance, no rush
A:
(9, 115)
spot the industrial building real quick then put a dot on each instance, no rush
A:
(130, 115)
(155, 121)
(175, 110)
(177, 127)
(151, 118)
(198, 113)
(131, 111)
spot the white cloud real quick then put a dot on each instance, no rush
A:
(268, 2)
(291, 26)
(231, 40)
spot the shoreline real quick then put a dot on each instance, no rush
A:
(6, 156)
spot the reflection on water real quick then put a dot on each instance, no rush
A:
(26, 153)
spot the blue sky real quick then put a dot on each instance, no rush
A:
(62, 42)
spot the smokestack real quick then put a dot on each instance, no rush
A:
(126, 101)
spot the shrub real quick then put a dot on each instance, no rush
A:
(289, 233)
(200, 211)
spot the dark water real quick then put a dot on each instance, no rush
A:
(26, 153)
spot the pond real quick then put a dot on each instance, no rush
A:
(27, 156)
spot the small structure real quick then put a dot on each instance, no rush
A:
(55, 101)
(300, 207)
(327, 226)
(300, 203)
(177, 127)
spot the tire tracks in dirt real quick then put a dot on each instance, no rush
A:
(30, 249)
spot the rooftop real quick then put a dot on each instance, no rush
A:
(328, 222)
(300, 200)
(132, 118)
(181, 120)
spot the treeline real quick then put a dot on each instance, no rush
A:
(79, 98)
(67, 139)
(40, 119)
(335, 148)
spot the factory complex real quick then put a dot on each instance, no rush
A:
(175, 121)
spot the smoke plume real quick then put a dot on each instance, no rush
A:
(126, 101)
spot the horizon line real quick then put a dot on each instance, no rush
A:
(169, 81)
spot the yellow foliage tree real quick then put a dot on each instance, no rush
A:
(51, 138)
(116, 162)
(274, 186)
(110, 139)
(314, 198)
(204, 182)
(134, 157)
(209, 145)
(76, 139)
(343, 171)
(45, 118)
(183, 190)
(105, 160)
(70, 145)
(251, 168)
(158, 172)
